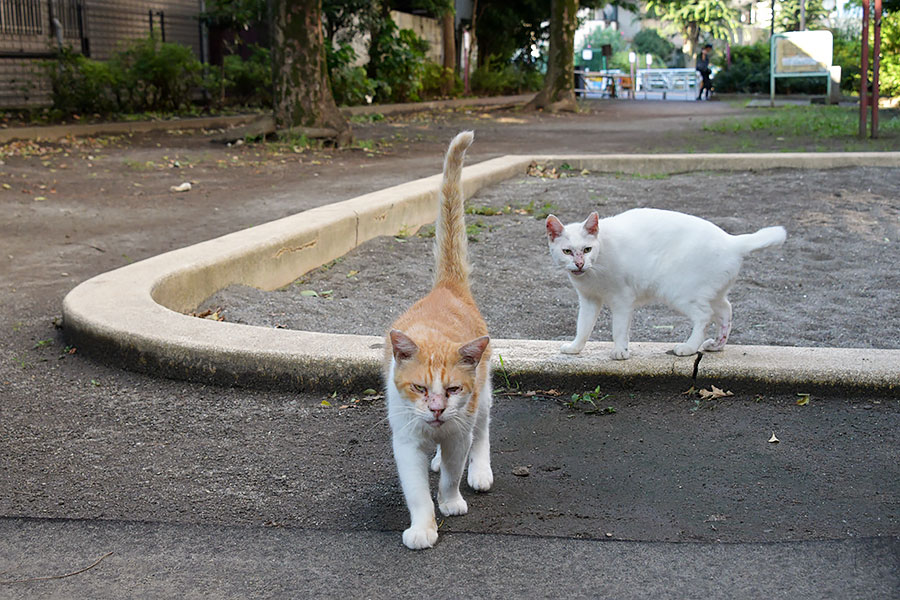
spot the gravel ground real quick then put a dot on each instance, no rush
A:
(833, 283)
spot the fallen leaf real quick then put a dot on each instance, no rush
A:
(714, 393)
(311, 293)
(521, 471)
(325, 403)
(803, 399)
(183, 187)
(352, 274)
(773, 439)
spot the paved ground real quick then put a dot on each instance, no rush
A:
(202, 491)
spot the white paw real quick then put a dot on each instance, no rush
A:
(454, 506)
(620, 354)
(436, 463)
(418, 538)
(684, 350)
(571, 348)
(480, 478)
(712, 345)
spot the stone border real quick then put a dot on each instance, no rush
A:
(134, 316)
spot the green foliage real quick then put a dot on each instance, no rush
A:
(890, 50)
(788, 18)
(715, 17)
(155, 75)
(249, 82)
(648, 41)
(349, 84)
(591, 398)
(823, 122)
(847, 52)
(496, 77)
(748, 72)
(434, 78)
(397, 63)
(80, 85)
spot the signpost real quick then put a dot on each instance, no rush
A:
(800, 54)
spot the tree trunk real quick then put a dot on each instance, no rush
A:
(558, 92)
(303, 95)
(691, 35)
(448, 26)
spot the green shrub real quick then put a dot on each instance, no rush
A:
(436, 77)
(157, 75)
(80, 85)
(397, 63)
(249, 82)
(493, 78)
(349, 84)
(648, 41)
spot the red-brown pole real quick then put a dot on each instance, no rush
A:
(876, 64)
(864, 70)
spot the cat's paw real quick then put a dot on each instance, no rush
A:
(480, 478)
(453, 506)
(436, 463)
(684, 350)
(620, 354)
(571, 348)
(419, 538)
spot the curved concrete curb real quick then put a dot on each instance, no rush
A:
(133, 316)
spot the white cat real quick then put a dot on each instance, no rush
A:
(648, 255)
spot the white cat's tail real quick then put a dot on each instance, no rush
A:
(450, 243)
(764, 238)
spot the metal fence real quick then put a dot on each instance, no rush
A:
(21, 17)
(656, 84)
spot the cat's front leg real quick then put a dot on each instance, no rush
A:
(480, 476)
(621, 330)
(453, 460)
(588, 311)
(412, 468)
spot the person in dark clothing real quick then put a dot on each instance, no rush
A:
(703, 67)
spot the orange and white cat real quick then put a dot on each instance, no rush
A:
(438, 375)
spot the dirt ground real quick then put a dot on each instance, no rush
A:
(832, 284)
(82, 440)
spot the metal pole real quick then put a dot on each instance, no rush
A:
(802, 15)
(864, 70)
(876, 64)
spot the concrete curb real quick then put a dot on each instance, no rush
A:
(56, 132)
(133, 316)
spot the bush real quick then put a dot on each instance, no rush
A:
(80, 85)
(397, 63)
(249, 82)
(494, 79)
(436, 77)
(156, 75)
(648, 41)
(349, 85)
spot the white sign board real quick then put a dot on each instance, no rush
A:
(802, 52)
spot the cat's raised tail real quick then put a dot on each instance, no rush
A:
(450, 242)
(764, 238)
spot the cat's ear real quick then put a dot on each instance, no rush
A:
(404, 347)
(471, 352)
(592, 223)
(554, 227)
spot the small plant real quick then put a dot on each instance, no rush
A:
(507, 383)
(539, 212)
(593, 398)
(487, 211)
(473, 229)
